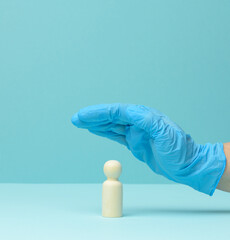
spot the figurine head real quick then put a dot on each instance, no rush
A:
(112, 169)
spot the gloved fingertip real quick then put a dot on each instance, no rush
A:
(82, 112)
(75, 120)
(93, 113)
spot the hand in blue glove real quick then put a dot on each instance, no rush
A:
(154, 139)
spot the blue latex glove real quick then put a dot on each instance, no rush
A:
(154, 139)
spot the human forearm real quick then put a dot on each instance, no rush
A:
(224, 183)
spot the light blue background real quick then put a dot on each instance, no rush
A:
(59, 56)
